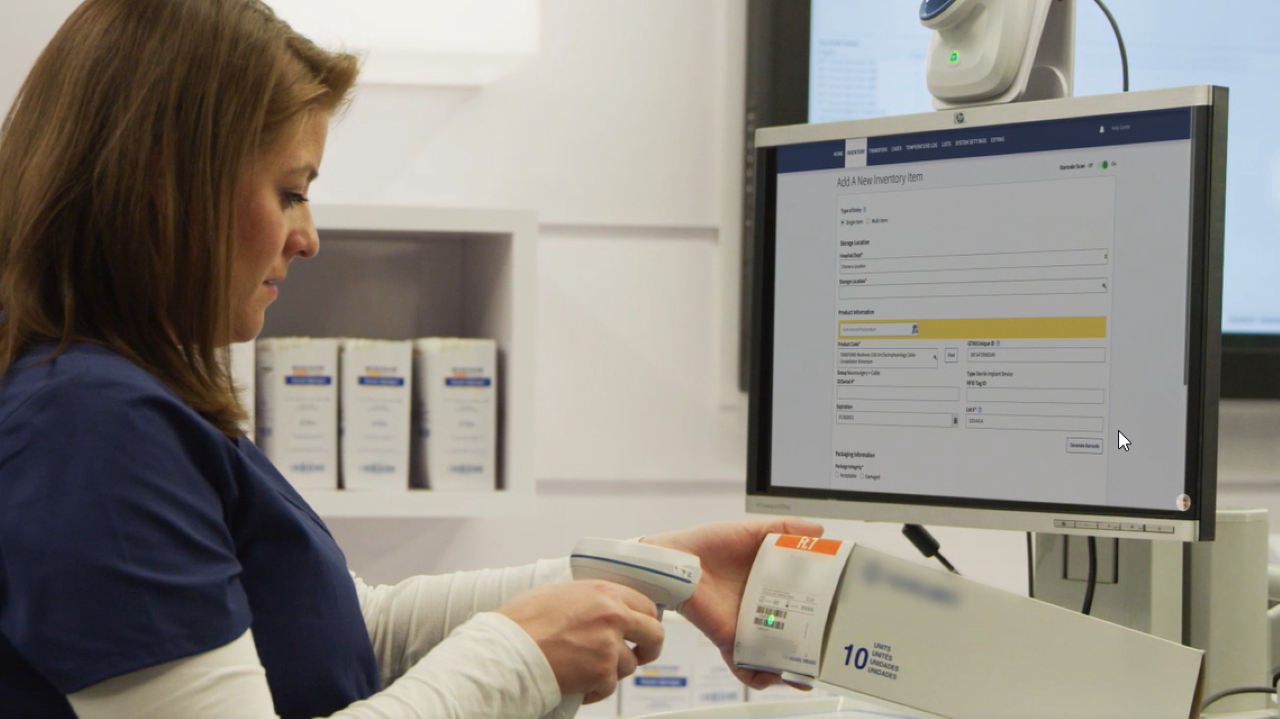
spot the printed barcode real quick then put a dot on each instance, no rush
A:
(764, 622)
(777, 613)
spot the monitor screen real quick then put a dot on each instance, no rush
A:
(1007, 317)
(867, 59)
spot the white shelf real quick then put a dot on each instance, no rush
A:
(417, 503)
(407, 272)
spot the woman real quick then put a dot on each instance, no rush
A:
(153, 179)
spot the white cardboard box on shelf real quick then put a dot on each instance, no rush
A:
(243, 366)
(376, 378)
(297, 409)
(455, 414)
(690, 673)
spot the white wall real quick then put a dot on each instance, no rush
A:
(622, 133)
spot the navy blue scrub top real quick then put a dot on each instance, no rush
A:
(133, 532)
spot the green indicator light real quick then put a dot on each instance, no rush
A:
(1105, 164)
(954, 57)
(769, 621)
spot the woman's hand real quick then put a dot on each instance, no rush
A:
(727, 551)
(582, 629)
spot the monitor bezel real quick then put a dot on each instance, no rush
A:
(1209, 172)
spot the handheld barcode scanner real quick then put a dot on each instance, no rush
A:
(666, 576)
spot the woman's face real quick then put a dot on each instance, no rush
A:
(273, 223)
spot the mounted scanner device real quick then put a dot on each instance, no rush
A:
(994, 51)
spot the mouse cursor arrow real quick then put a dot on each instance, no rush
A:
(1122, 442)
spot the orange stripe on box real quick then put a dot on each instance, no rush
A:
(809, 544)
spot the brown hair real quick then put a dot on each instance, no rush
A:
(119, 162)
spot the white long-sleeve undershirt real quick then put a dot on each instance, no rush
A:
(442, 654)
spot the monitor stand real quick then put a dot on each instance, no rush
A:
(1208, 595)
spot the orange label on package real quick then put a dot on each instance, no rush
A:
(809, 544)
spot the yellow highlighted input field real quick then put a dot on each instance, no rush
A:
(987, 327)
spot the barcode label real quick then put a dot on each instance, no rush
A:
(764, 622)
(777, 613)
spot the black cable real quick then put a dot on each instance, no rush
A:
(1093, 576)
(1093, 543)
(1124, 54)
(1232, 692)
(1275, 676)
(927, 545)
(947, 564)
(1031, 567)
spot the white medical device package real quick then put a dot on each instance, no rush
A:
(940, 643)
(788, 597)
(297, 408)
(455, 414)
(376, 381)
(948, 645)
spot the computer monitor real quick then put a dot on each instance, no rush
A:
(1005, 317)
